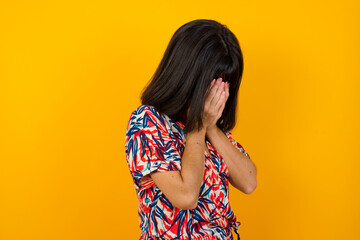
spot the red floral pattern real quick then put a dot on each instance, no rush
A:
(155, 143)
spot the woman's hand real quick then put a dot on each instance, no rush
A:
(215, 103)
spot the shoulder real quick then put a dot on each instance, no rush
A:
(143, 117)
(146, 110)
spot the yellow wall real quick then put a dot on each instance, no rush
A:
(72, 71)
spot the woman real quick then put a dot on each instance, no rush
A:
(179, 147)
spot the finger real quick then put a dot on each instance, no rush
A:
(218, 81)
(220, 101)
(218, 93)
(209, 94)
(221, 110)
(227, 91)
(213, 91)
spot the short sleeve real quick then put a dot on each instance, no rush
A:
(236, 144)
(149, 147)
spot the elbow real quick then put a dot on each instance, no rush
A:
(252, 185)
(251, 188)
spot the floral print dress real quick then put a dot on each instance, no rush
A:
(155, 143)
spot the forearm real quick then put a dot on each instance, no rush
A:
(193, 163)
(242, 170)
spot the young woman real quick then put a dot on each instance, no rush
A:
(179, 147)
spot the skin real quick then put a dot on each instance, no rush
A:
(242, 171)
(182, 188)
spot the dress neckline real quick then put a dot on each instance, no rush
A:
(180, 124)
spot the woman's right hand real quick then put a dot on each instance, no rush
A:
(215, 102)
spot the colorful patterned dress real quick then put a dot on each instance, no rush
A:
(155, 143)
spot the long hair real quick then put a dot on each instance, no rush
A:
(198, 52)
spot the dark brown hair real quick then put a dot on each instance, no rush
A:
(198, 52)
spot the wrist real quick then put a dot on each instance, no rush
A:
(212, 131)
(197, 131)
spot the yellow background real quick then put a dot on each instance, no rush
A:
(71, 73)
